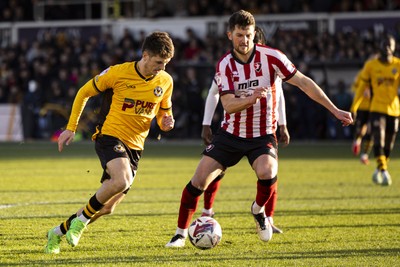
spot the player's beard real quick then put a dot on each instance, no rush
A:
(243, 52)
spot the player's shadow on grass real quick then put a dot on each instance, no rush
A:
(212, 257)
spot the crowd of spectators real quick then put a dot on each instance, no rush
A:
(44, 76)
(23, 10)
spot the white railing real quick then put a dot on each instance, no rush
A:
(215, 25)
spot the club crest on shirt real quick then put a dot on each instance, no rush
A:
(394, 71)
(119, 149)
(158, 91)
(209, 147)
(257, 66)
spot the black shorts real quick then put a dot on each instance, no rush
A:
(109, 148)
(228, 149)
(384, 129)
(362, 117)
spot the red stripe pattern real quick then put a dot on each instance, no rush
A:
(264, 69)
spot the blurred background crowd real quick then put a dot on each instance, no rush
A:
(22, 10)
(43, 76)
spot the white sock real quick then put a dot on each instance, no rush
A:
(207, 211)
(57, 231)
(271, 220)
(83, 219)
(182, 232)
(257, 209)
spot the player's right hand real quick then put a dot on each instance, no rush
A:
(259, 92)
(345, 117)
(66, 138)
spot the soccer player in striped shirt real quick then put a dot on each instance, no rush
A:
(284, 137)
(134, 93)
(246, 78)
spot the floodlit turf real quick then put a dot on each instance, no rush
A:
(329, 209)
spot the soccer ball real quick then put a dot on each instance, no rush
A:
(205, 232)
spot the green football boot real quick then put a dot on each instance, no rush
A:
(75, 231)
(53, 242)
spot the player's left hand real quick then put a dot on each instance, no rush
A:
(168, 123)
(284, 136)
(206, 134)
(345, 117)
(66, 137)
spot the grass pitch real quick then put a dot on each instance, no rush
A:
(329, 209)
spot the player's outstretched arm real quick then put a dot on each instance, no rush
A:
(66, 138)
(309, 87)
(84, 93)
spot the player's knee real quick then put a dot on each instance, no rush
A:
(267, 174)
(121, 184)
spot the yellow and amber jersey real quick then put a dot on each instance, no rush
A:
(384, 79)
(362, 95)
(133, 102)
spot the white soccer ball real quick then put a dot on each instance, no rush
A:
(205, 232)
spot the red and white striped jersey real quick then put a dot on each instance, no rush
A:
(262, 70)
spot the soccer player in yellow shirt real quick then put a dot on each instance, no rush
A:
(134, 93)
(383, 76)
(362, 143)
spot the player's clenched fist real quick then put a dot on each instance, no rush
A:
(167, 123)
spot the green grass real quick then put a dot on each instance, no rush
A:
(331, 212)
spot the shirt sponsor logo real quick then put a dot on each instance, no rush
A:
(246, 89)
(248, 84)
(388, 81)
(139, 106)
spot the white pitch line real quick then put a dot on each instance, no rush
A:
(8, 206)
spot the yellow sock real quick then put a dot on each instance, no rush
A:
(381, 162)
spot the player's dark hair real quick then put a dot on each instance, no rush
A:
(384, 43)
(242, 19)
(159, 44)
(259, 37)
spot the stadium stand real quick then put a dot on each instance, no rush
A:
(43, 74)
